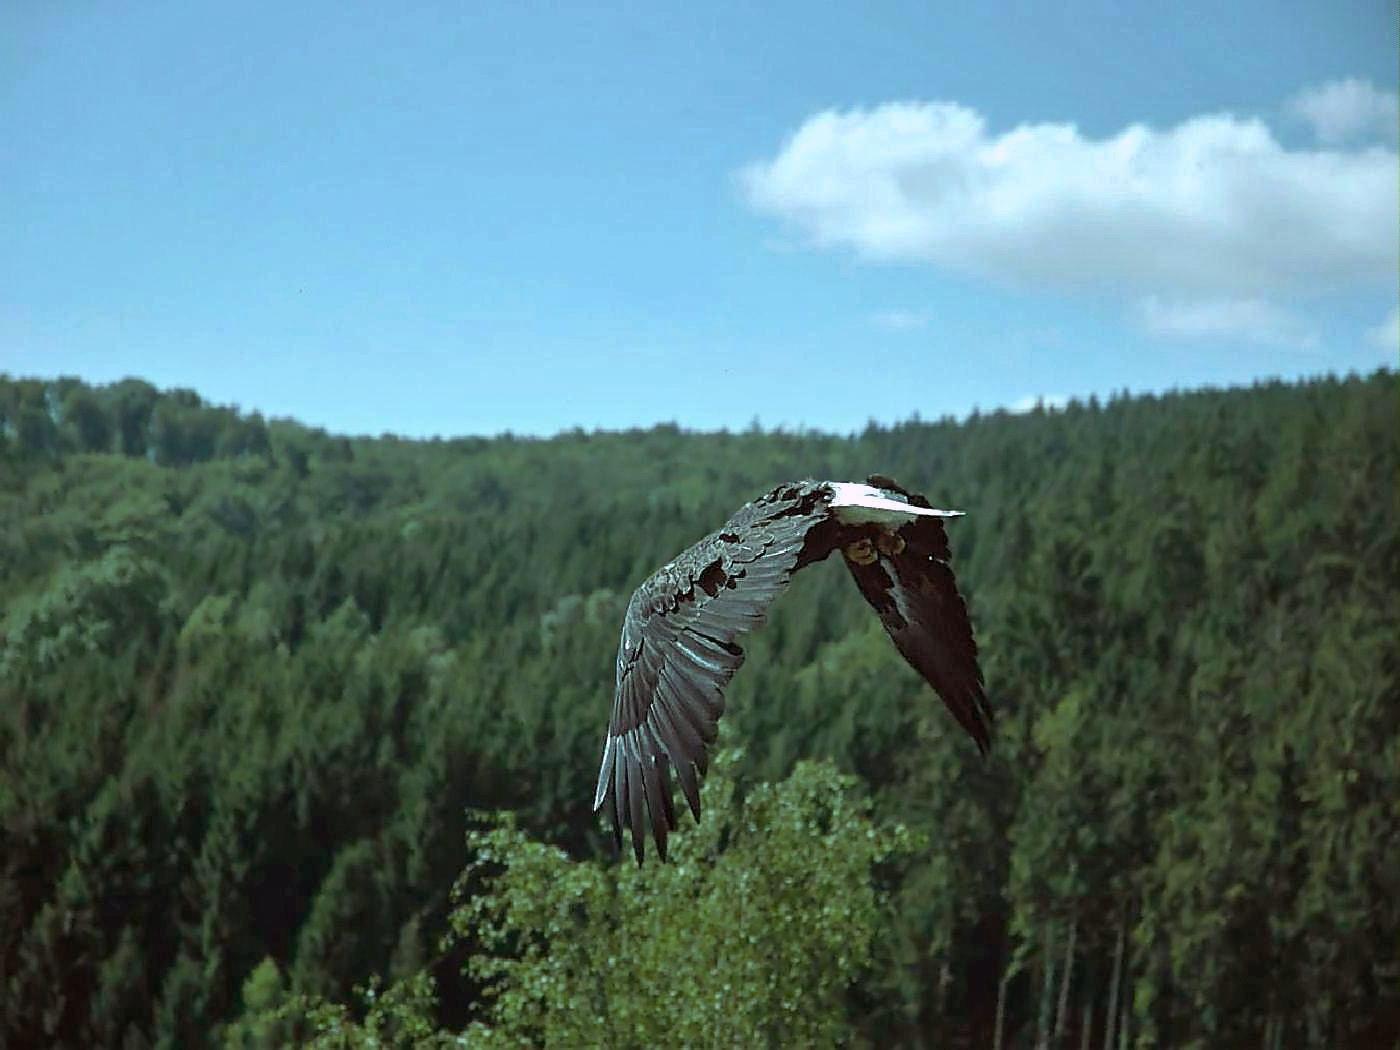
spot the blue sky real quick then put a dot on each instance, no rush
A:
(453, 218)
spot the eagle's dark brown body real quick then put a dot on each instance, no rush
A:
(679, 646)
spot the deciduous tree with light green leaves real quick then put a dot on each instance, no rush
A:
(752, 936)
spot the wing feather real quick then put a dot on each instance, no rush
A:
(916, 597)
(679, 741)
(680, 649)
(636, 797)
(658, 805)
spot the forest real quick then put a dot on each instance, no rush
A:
(298, 736)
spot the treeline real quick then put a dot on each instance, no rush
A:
(253, 678)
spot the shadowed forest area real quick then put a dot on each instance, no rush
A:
(299, 736)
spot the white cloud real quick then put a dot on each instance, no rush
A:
(900, 320)
(1211, 209)
(1348, 110)
(1249, 320)
(1386, 335)
(1048, 402)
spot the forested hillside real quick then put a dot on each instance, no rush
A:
(263, 688)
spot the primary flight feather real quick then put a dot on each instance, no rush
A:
(680, 648)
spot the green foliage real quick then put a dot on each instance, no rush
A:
(252, 675)
(401, 1017)
(751, 936)
(262, 1023)
(92, 607)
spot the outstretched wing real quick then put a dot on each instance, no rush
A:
(680, 648)
(914, 592)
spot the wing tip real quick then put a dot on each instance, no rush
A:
(605, 773)
(639, 787)
(982, 721)
(983, 739)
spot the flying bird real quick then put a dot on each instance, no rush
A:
(680, 635)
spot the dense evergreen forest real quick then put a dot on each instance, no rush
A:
(299, 735)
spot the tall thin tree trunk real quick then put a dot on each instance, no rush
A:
(1111, 1013)
(1088, 1028)
(1125, 1038)
(1047, 990)
(945, 981)
(1062, 1008)
(1001, 1005)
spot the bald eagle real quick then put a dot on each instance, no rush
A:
(680, 635)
